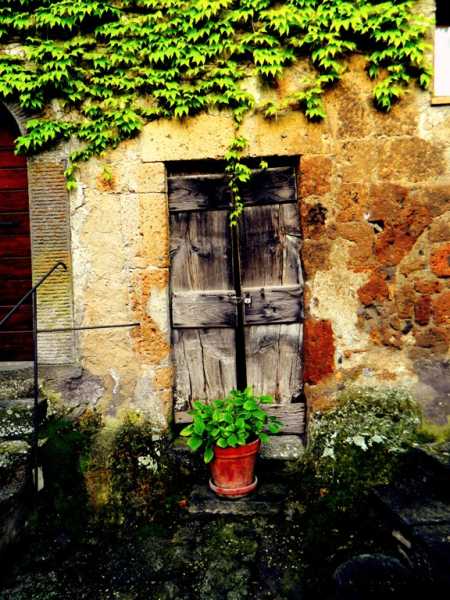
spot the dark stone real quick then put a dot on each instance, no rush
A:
(268, 499)
(374, 576)
(433, 389)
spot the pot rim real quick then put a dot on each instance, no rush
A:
(239, 451)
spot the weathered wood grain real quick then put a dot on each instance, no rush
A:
(204, 309)
(274, 360)
(292, 415)
(210, 192)
(200, 250)
(271, 239)
(273, 305)
(204, 365)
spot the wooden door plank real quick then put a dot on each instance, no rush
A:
(273, 305)
(271, 241)
(274, 360)
(210, 192)
(9, 159)
(292, 415)
(17, 346)
(14, 223)
(15, 268)
(204, 309)
(13, 178)
(205, 368)
(21, 319)
(12, 291)
(200, 251)
(13, 200)
(15, 246)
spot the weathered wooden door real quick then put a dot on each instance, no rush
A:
(205, 297)
(15, 249)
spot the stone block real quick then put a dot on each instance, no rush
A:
(374, 291)
(427, 286)
(440, 261)
(352, 200)
(315, 175)
(318, 350)
(411, 160)
(422, 310)
(441, 309)
(268, 499)
(282, 447)
(206, 136)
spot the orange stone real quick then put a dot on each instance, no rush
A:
(318, 350)
(315, 175)
(422, 310)
(374, 290)
(427, 286)
(441, 309)
(440, 261)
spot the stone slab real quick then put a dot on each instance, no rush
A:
(411, 510)
(283, 447)
(268, 499)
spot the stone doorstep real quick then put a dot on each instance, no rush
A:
(267, 499)
(279, 447)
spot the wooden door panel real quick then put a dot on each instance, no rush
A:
(205, 365)
(9, 159)
(270, 240)
(21, 319)
(274, 364)
(204, 309)
(210, 191)
(273, 305)
(15, 268)
(15, 179)
(204, 299)
(200, 251)
(17, 223)
(11, 291)
(13, 200)
(15, 246)
(17, 346)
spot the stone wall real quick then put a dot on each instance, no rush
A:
(374, 194)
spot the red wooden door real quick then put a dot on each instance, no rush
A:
(15, 248)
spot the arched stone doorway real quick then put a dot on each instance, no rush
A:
(15, 244)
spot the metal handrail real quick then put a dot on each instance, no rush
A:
(32, 291)
(35, 331)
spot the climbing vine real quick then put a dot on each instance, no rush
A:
(113, 66)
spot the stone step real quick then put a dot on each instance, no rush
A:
(16, 418)
(14, 454)
(267, 499)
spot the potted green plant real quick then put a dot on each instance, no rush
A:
(230, 432)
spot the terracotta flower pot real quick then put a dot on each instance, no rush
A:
(232, 470)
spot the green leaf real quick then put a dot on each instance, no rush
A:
(208, 455)
(195, 442)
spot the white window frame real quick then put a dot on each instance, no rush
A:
(441, 79)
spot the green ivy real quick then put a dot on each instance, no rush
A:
(115, 66)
